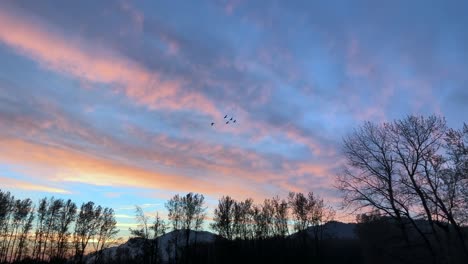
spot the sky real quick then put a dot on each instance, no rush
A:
(112, 101)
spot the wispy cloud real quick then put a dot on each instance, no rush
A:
(28, 186)
(127, 103)
(97, 64)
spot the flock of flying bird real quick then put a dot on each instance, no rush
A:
(229, 120)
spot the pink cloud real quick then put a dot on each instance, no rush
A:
(65, 165)
(86, 61)
(28, 186)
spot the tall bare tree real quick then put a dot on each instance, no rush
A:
(21, 214)
(280, 217)
(242, 222)
(106, 230)
(150, 233)
(143, 231)
(67, 216)
(40, 228)
(51, 223)
(188, 213)
(301, 207)
(224, 217)
(6, 210)
(23, 247)
(175, 212)
(263, 219)
(86, 227)
(406, 170)
(159, 228)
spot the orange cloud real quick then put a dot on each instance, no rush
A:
(23, 185)
(64, 165)
(72, 56)
(220, 169)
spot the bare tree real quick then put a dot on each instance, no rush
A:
(6, 211)
(309, 212)
(159, 228)
(12, 227)
(175, 212)
(86, 227)
(260, 227)
(300, 209)
(224, 217)
(22, 249)
(187, 213)
(280, 217)
(55, 217)
(242, 222)
(194, 211)
(372, 179)
(263, 219)
(403, 170)
(106, 230)
(21, 214)
(52, 217)
(67, 216)
(143, 232)
(40, 228)
(194, 215)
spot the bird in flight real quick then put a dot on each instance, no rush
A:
(227, 119)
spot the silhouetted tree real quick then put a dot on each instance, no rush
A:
(6, 212)
(223, 220)
(86, 227)
(22, 249)
(193, 211)
(143, 226)
(40, 228)
(186, 212)
(159, 228)
(280, 217)
(67, 216)
(106, 230)
(243, 219)
(301, 208)
(50, 240)
(51, 224)
(406, 170)
(263, 219)
(143, 231)
(175, 216)
(175, 212)
(453, 200)
(22, 211)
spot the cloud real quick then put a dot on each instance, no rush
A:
(98, 157)
(28, 186)
(61, 165)
(125, 216)
(151, 77)
(76, 58)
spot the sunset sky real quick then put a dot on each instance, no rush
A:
(112, 101)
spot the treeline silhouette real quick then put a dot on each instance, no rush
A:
(52, 231)
(406, 181)
(274, 231)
